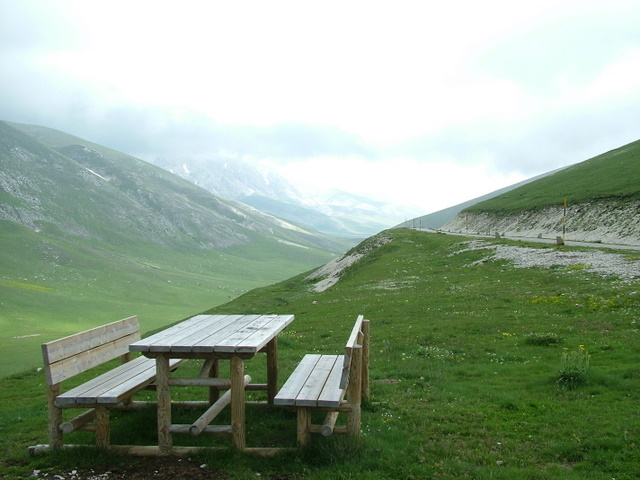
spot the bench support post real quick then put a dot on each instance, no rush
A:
(365, 360)
(55, 416)
(304, 425)
(103, 432)
(329, 423)
(79, 421)
(354, 392)
(214, 372)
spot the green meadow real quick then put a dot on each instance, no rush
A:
(52, 287)
(611, 176)
(479, 370)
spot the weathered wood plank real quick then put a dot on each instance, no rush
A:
(113, 386)
(179, 338)
(127, 388)
(316, 381)
(57, 350)
(355, 332)
(207, 417)
(289, 391)
(259, 338)
(207, 329)
(365, 359)
(167, 337)
(226, 339)
(184, 428)
(111, 377)
(332, 393)
(355, 338)
(224, 383)
(86, 360)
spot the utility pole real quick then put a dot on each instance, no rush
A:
(564, 219)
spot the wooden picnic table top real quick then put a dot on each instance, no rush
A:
(223, 334)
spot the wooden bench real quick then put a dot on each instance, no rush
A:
(321, 383)
(75, 354)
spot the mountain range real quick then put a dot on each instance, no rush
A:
(336, 212)
(54, 180)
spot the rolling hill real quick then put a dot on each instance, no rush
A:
(602, 196)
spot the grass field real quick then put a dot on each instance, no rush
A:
(50, 288)
(479, 370)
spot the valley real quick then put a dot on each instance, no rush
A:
(90, 235)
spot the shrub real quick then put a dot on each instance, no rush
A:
(541, 339)
(573, 370)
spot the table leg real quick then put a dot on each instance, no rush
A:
(214, 372)
(164, 403)
(237, 403)
(272, 369)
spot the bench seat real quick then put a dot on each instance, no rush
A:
(114, 386)
(314, 383)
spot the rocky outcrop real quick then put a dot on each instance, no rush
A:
(605, 221)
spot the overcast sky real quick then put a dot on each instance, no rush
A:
(429, 103)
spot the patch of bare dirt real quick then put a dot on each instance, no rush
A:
(144, 468)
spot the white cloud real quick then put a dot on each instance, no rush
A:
(619, 79)
(390, 93)
(400, 181)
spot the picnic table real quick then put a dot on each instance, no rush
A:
(211, 338)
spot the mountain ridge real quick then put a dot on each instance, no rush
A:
(335, 213)
(212, 221)
(90, 235)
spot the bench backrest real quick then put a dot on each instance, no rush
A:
(356, 353)
(75, 354)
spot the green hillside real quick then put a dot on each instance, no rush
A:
(479, 370)
(614, 175)
(89, 235)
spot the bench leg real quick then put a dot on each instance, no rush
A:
(354, 393)
(304, 425)
(103, 431)
(214, 372)
(55, 417)
(353, 420)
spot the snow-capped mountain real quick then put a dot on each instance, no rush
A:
(336, 212)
